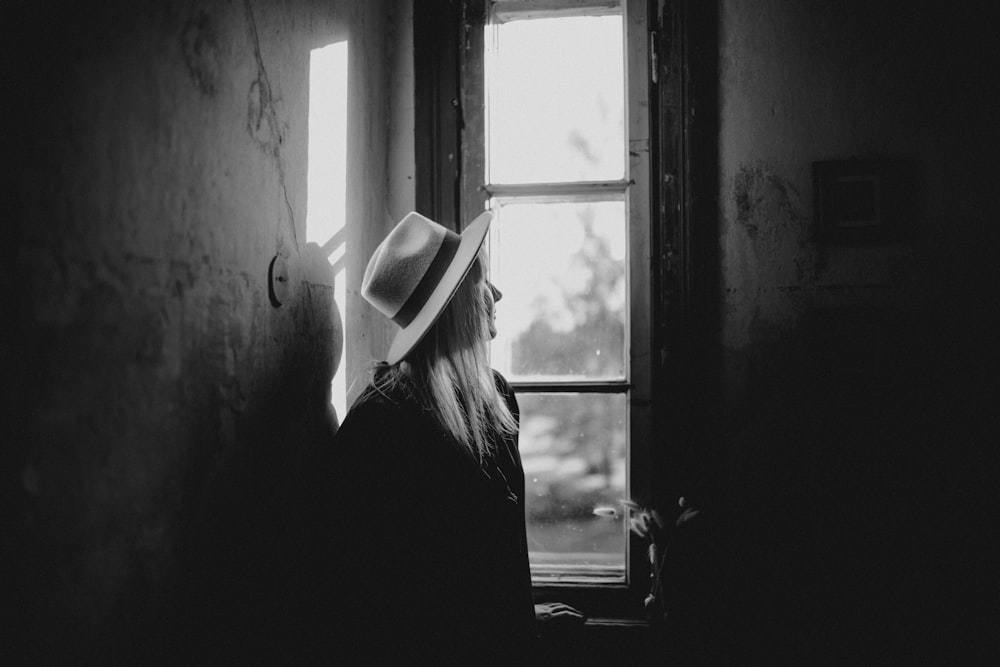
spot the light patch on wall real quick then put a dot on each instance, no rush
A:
(327, 204)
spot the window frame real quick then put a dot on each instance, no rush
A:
(601, 598)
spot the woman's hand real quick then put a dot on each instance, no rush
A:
(557, 613)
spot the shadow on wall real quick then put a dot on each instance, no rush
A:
(156, 538)
(155, 404)
(834, 536)
(240, 534)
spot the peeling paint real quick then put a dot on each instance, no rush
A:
(158, 401)
(766, 204)
(200, 46)
(777, 249)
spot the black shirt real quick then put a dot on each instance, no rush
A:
(425, 553)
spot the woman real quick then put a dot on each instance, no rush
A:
(431, 553)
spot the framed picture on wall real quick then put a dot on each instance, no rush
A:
(863, 201)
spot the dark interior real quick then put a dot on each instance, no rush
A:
(827, 404)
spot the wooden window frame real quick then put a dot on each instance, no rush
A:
(682, 371)
(585, 587)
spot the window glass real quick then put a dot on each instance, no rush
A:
(556, 111)
(573, 450)
(561, 267)
(561, 194)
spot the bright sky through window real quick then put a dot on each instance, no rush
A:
(327, 180)
(556, 169)
(556, 114)
(556, 93)
(541, 265)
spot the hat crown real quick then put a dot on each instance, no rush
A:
(401, 261)
(415, 271)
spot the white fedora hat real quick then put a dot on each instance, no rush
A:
(415, 271)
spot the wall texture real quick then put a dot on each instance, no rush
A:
(822, 81)
(155, 401)
(852, 376)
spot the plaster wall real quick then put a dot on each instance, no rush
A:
(853, 376)
(155, 400)
(808, 81)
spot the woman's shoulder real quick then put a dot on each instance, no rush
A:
(506, 390)
(387, 386)
(377, 430)
(379, 402)
(502, 384)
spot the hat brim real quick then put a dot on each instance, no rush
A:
(409, 336)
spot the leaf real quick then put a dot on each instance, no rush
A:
(686, 516)
(636, 527)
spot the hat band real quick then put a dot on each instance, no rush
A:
(422, 292)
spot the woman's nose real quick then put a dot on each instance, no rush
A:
(497, 294)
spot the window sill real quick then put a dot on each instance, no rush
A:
(600, 640)
(566, 575)
(628, 623)
(604, 605)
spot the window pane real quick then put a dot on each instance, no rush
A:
(556, 101)
(573, 449)
(561, 268)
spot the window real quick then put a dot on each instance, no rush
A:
(561, 157)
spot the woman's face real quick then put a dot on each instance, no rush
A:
(490, 293)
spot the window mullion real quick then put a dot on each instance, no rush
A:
(569, 386)
(639, 321)
(573, 190)
(621, 401)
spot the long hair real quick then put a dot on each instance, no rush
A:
(450, 373)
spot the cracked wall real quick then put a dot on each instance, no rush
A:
(853, 376)
(821, 81)
(155, 402)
